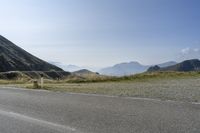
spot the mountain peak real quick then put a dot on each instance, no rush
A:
(128, 63)
(125, 68)
(130, 68)
(14, 58)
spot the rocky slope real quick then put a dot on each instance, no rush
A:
(185, 66)
(14, 58)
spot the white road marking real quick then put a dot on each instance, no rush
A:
(128, 97)
(54, 126)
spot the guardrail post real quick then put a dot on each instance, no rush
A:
(42, 80)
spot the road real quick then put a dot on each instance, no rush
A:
(32, 111)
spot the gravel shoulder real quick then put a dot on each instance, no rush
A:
(180, 89)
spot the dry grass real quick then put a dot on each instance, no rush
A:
(165, 86)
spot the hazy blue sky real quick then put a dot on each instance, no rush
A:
(104, 32)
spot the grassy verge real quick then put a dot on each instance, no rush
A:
(186, 89)
(163, 85)
(143, 77)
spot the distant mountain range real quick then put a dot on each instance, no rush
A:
(73, 68)
(14, 58)
(185, 66)
(69, 68)
(116, 70)
(129, 68)
(124, 69)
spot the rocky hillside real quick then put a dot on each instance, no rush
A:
(14, 58)
(185, 66)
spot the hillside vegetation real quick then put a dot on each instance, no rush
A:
(185, 66)
(91, 77)
(180, 86)
(177, 86)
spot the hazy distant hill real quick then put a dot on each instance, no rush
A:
(69, 68)
(84, 71)
(14, 58)
(72, 68)
(124, 69)
(188, 65)
(166, 64)
(130, 68)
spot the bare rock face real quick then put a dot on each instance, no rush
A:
(185, 66)
(14, 58)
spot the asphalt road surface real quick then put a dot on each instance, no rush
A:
(32, 111)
